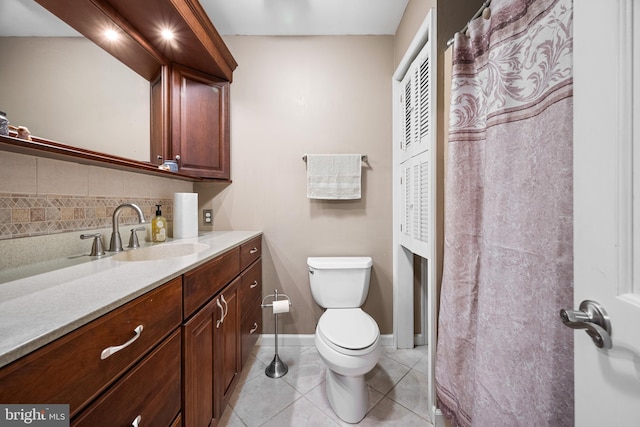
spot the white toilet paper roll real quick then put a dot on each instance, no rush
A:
(281, 306)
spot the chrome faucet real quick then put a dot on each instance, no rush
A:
(116, 241)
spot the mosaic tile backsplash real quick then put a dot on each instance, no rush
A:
(28, 215)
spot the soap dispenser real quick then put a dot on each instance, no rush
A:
(158, 226)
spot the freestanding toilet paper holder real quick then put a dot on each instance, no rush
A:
(277, 368)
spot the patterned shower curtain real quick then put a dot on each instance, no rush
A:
(504, 357)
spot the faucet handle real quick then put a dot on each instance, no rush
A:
(96, 249)
(133, 239)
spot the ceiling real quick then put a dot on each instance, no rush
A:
(242, 17)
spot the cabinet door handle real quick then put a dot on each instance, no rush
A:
(253, 251)
(226, 307)
(136, 421)
(219, 322)
(255, 328)
(254, 284)
(114, 349)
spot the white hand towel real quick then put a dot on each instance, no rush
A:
(333, 176)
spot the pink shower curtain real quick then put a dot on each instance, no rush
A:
(504, 357)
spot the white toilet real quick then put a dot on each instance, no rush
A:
(347, 338)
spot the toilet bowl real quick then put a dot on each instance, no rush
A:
(347, 338)
(346, 363)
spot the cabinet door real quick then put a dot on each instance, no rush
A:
(227, 338)
(211, 346)
(198, 381)
(159, 144)
(200, 123)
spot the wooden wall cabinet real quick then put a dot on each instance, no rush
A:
(189, 85)
(199, 123)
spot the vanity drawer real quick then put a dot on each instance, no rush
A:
(250, 330)
(74, 369)
(251, 287)
(208, 279)
(250, 251)
(150, 391)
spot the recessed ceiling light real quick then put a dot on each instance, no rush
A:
(111, 34)
(167, 34)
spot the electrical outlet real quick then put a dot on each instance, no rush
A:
(207, 216)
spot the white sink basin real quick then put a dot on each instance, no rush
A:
(152, 253)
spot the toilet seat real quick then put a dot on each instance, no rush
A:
(348, 330)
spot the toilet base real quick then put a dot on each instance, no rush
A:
(348, 396)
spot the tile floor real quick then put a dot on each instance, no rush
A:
(397, 391)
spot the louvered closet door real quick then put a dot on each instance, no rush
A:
(421, 216)
(407, 117)
(423, 123)
(406, 207)
(416, 101)
(415, 223)
(416, 142)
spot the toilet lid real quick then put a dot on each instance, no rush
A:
(349, 328)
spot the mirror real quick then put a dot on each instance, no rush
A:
(65, 88)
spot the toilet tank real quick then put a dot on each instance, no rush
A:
(339, 282)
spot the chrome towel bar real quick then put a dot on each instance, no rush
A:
(364, 158)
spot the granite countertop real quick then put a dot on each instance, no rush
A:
(37, 309)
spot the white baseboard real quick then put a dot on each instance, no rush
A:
(438, 419)
(301, 340)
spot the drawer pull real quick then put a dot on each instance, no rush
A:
(254, 284)
(136, 422)
(255, 328)
(253, 251)
(111, 350)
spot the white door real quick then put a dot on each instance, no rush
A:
(606, 210)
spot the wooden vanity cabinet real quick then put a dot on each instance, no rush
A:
(250, 300)
(75, 369)
(214, 342)
(250, 296)
(179, 369)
